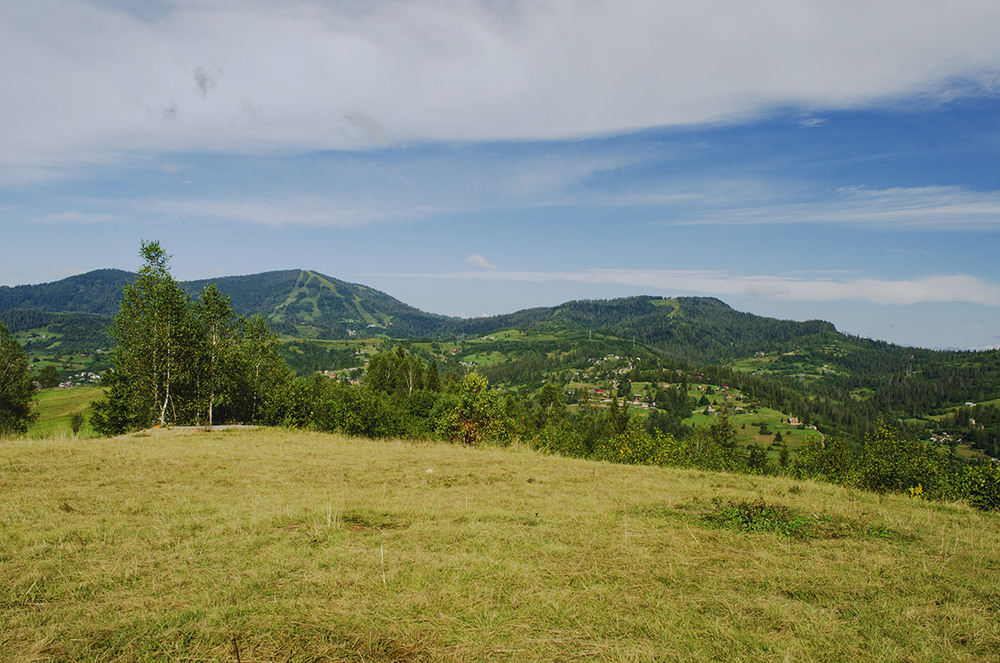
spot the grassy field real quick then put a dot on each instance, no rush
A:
(55, 407)
(272, 545)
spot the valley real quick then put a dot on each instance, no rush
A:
(839, 384)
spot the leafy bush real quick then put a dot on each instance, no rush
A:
(670, 451)
(831, 460)
(891, 463)
(981, 485)
(757, 461)
(559, 437)
(633, 446)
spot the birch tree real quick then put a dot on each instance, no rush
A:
(154, 343)
(218, 330)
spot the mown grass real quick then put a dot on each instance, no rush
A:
(56, 407)
(273, 545)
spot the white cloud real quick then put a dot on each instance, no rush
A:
(300, 211)
(922, 208)
(75, 216)
(84, 82)
(358, 189)
(938, 289)
(477, 260)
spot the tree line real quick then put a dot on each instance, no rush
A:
(179, 360)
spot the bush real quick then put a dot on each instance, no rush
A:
(757, 461)
(634, 446)
(890, 463)
(559, 437)
(832, 461)
(981, 485)
(670, 451)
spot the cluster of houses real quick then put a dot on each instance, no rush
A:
(81, 379)
(794, 421)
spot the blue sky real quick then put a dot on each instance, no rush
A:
(795, 160)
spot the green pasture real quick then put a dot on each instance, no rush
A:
(56, 407)
(273, 545)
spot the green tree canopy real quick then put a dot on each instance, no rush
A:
(16, 387)
(178, 361)
(153, 332)
(48, 377)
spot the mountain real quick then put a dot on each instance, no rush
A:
(307, 304)
(701, 329)
(844, 382)
(299, 303)
(95, 292)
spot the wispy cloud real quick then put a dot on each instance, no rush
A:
(356, 189)
(75, 216)
(477, 260)
(921, 208)
(926, 289)
(283, 212)
(81, 76)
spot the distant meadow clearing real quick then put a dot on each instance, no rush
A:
(273, 545)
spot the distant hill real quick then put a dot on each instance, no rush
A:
(307, 304)
(95, 292)
(844, 382)
(299, 303)
(693, 328)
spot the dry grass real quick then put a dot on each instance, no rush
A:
(281, 546)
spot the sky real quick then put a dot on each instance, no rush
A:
(796, 159)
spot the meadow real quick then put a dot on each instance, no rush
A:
(56, 407)
(276, 545)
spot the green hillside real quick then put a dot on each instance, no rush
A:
(843, 384)
(56, 408)
(96, 292)
(296, 303)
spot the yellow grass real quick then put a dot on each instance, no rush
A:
(272, 545)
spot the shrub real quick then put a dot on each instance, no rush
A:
(633, 446)
(670, 451)
(831, 460)
(891, 463)
(559, 437)
(980, 485)
(757, 461)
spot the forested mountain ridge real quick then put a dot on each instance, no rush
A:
(848, 382)
(307, 304)
(702, 329)
(97, 292)
(300, 303)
